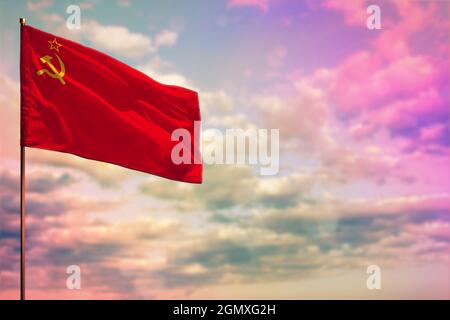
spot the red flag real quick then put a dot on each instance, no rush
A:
(80, 101)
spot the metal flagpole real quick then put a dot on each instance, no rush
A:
(22, 200)
(22, 223)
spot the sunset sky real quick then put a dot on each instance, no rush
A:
(364, 156)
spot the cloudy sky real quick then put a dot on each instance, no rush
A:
(364, 156)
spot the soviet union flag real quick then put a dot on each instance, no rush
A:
(80, 101)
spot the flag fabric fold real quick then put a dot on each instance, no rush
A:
(80, 101)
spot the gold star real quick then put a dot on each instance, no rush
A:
(54, 45)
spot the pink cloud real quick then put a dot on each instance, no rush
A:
(388, 66)
(432, 133)
(362, 82)
(354, 11)
(407, 113)
(396, 85)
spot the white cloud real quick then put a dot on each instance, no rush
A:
(215, 101)
(166, 38)
(118, 39)
(105, 173)
(307, 130)
(38, 5)
(170, 78)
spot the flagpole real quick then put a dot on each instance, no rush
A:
(22, 223)
(22, 199)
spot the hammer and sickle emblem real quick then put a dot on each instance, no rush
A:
(55, 74)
